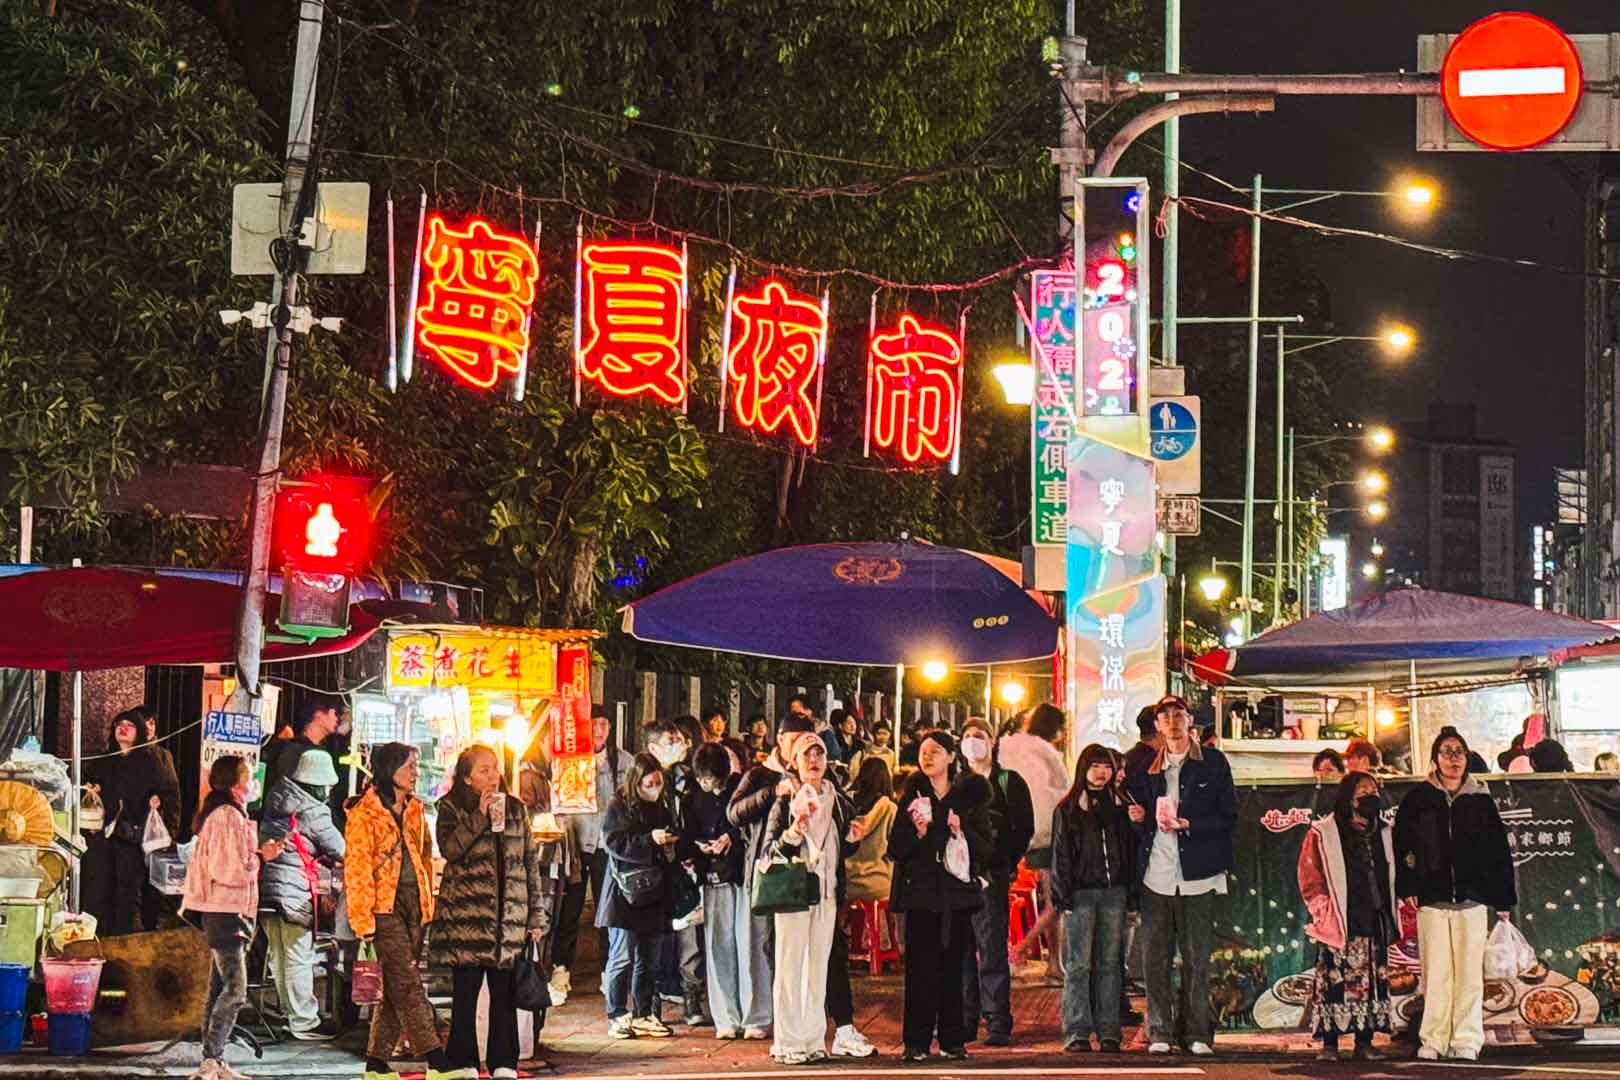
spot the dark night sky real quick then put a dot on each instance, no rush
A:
(1509, 340)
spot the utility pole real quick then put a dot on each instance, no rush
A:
(1277, 510)
(1247, 574)
(295, 208)
(1070, 155)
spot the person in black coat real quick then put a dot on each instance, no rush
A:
(1452, 856)
(133, 783)
(937, 894)
(986, 972)
(638, 832)
(1093, 849)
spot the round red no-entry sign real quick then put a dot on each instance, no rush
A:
(1511, 80)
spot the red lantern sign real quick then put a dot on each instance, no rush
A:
(914, 390)
(632, 319)
(571, 734)
(774, 364)
(1511, 80)
(478, 288)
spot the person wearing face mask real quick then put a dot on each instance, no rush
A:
(738, 994)
(681, 978)
(297, 812)
(1347, 880)
(939, 807)
(813, 822)
(1092, 867)
(639, 833)
(1452, 857)
(986, 972)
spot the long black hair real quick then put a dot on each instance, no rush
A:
(386, 760)
(1077, 799)
(1344, 797)
(642, 766)
(223, 775)
(872, 783)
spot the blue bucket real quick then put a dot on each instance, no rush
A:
(68, 1034)
(11, 1031)
(14, 987)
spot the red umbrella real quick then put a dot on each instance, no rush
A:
(1213, 667)
(87, 618)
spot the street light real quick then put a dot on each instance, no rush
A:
(935, 670)
(1420, 194)
(1398, 338)
(1377, 550)
(1377, 510)
(1374, 483)
(1017, 379)
(1369, 570)
(1213, 586)
(1381, 439)
(1012, 693)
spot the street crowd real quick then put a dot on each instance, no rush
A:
(724, 873)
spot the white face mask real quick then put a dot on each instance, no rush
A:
(975, 748)
(669, 753)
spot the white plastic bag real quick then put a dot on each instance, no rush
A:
(156, 837)
(956, 857)
(1507, 954)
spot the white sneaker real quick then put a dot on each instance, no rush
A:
(1159, 1048)
(791, 1057)
(727, 1033)
(619, 1027)
(503, 1073)
(560, 986)
(755, 1033)
(1428, 1053)
(849, 1042)
(1201, 1049)
(1463, 1055)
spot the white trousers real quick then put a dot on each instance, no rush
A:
(799, 989)
(291, 951)
(1452, 947)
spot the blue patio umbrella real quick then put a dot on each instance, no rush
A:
(904, 602)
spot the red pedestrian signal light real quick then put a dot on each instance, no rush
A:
(323, 527)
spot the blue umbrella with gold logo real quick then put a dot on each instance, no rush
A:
(904, 602)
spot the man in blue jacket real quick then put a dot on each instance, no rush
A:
(1185, 852)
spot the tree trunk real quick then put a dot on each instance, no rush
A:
(579, 603)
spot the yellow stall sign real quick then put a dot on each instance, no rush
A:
(478, 661)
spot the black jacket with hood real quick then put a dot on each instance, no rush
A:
(921, 882)
(1452, 848)
(1093, 847)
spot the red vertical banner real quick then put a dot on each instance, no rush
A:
(573, 760)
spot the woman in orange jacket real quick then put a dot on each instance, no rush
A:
(388, 883)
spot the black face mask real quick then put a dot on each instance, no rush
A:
(1368, 808)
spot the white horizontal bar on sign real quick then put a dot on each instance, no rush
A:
(1506, 82)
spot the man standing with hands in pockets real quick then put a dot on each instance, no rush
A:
(1184, 809)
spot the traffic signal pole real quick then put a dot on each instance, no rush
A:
(297, 184)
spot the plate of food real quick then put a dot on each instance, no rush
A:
(1535, 973)
(1549, 1006)
(1403, 981)
(1499, 994)
(1295, 989)
(1271, 1014)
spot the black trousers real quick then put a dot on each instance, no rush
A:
(465, 982)
(840, 997)
(565, 940)
(936, 947)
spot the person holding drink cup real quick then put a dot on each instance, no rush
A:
(1183, 854)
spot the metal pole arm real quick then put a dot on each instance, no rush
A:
(1111, 84)
(1150, 118)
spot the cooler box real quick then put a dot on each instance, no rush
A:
(22, 922)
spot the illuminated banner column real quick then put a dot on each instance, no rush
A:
(1115, 626)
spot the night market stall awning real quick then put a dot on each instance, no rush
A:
(906, 602)
(1389, 638)
(93, 617)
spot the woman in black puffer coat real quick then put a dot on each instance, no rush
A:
(490, 907)
(935, 806)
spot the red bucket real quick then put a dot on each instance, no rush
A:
(70, 985)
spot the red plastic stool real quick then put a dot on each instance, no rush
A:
(869, 924)
(1017, 912)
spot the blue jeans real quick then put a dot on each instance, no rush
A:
(632, 965)
(1096, 930)
(739, 986)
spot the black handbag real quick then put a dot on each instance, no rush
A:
(639, 885)
(529, 987)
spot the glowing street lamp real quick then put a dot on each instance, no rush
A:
(1374, 483)
(1377, 510)
(935, 670)
(1377, 550)
(1017, 379)
(1381, 438)
(1397, 338)
(1369, 570)
(1012, 693)
(1419, 193)
(1213, 587)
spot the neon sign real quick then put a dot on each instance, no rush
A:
(777, 346)
(914, 390)
(480, 286)
(1108, 334)
(632, 319)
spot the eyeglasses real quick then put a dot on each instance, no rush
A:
(1454, 754)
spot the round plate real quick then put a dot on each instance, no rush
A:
(1410, 1010)
(1295, 989)
(1499, 994)
(1549, 1006)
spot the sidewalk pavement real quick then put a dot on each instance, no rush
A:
(575, 1042)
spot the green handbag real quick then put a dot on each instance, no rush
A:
(783, 887)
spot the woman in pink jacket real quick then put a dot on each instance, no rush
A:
(1347, 880)
(222, 885)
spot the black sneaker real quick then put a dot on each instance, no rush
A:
(998, 1038)
(1108, 1046)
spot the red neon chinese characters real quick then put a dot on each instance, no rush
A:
(775, 360)
(633, 303)
(914, 390)
(478, 286)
